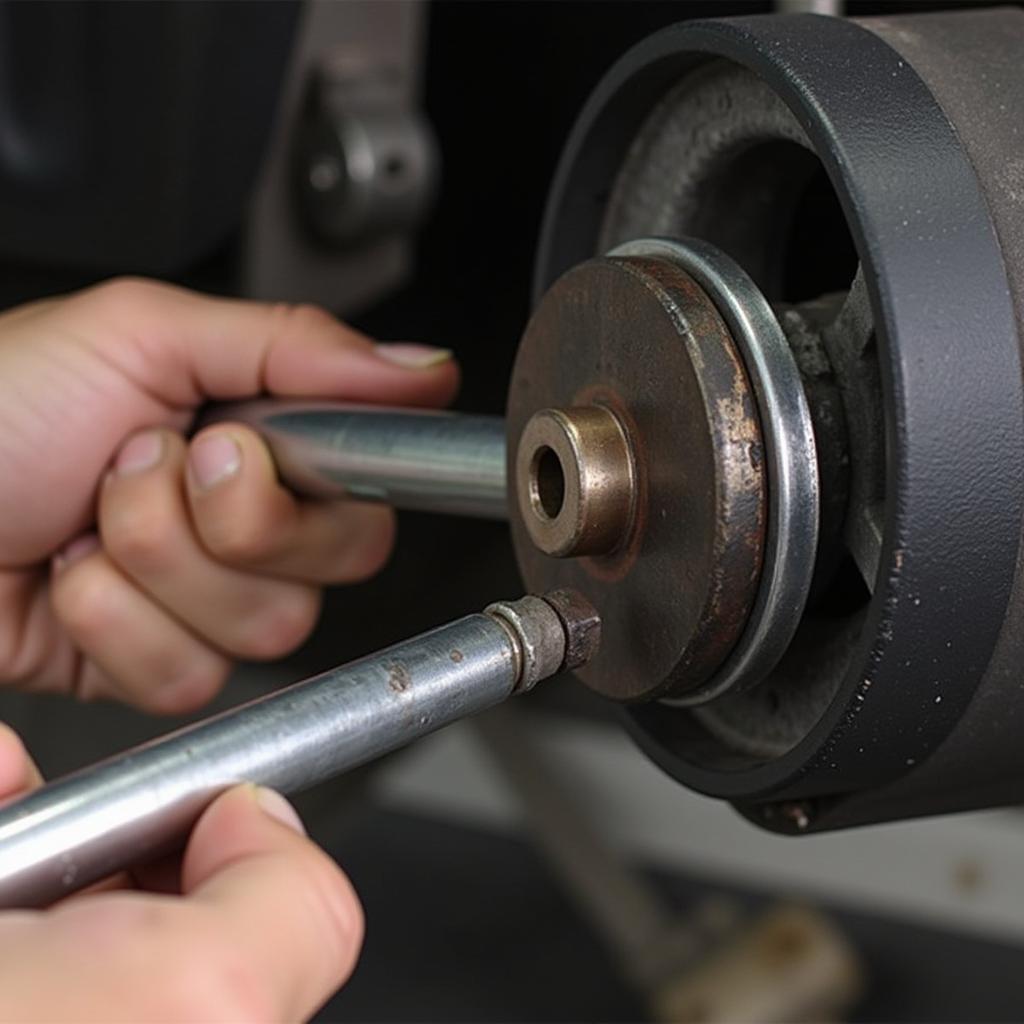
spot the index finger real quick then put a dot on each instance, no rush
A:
(196, 346)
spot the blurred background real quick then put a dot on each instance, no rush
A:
(530, 865)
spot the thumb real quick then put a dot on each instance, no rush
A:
(188, 347)
(278, 901)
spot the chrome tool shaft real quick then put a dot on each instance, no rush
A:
(415, 459)
(140, 804)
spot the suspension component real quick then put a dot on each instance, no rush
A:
(768, 414)
(798, 287)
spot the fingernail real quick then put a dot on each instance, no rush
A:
(139, 453)
(213, 458)
(412, 356)
(75, 551)
(271, 802)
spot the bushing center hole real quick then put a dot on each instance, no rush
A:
(548, 482)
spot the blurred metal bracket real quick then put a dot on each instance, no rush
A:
(351, 165)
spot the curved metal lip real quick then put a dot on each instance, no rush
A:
(918, 310)
(790, 455)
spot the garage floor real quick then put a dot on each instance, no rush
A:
(469, 925)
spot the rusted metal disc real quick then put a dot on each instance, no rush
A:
(640, 337)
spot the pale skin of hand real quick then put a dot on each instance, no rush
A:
(136, 564)
(259, 925)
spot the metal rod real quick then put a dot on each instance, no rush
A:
(140, 804)
(423, 460)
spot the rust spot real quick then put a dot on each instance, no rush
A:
(456, 656)
(968, 876)
(783, 944)
(399, 679)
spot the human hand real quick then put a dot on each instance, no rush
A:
(133, 563)
(254, 923)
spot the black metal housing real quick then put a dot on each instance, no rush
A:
(923, 153)
(131, 134)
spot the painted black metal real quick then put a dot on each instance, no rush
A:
(952, 385)
(972, 63)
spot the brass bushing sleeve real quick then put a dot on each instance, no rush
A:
(575, 481)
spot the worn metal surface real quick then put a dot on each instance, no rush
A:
(538, 638)
(414, 459)
(281, 258)
(367, 161)
(576, 481)
(790, 455)
(641, 337)
(971, 61)
(903, 668)
(717, 157)
(721, 156)
(140, 804)
(582, 626)
(828, 400)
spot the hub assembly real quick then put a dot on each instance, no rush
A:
(768, 414)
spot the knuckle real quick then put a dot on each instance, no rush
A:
(84, 601)
(120, 293)
(365, 556)
(212, 981)
(205, 983)
(282, 626)
(373, 557)
(205, 979)
(222, 985)
(140, 535)
(191, 688)
(237, 542)
(125, 928)
(304, 317)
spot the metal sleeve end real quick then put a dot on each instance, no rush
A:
(537, 635)
(558, 631)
